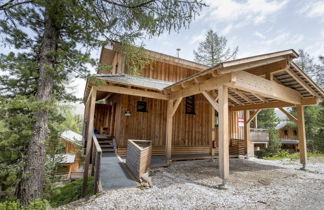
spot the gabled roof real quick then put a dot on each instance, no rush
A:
(72, 137)
(222, 68)
(137, 81)
(108, 52)
(65, 158)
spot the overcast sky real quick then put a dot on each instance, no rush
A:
(255, 26)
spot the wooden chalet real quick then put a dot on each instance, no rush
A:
(187, 108)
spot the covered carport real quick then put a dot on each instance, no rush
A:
(250, 85)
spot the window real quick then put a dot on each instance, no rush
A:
(295, 132)
(190, 105)
(141, 106)
(286, 132)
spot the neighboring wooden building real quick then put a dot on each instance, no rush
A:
(182, 106)
(288, 135)
(70, 162)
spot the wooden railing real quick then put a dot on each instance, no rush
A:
(93, 156)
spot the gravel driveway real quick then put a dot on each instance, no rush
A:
(253, 184)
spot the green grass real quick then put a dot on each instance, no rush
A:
(285, 155)
(70, 192)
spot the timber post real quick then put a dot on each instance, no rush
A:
(89, 140)
(301, 135)
(223, 134)
(171, 110)
(247, 134)
(169, 122)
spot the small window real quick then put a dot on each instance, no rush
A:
(286, 132)
(190, 105)
(295, 132)
(141, 106)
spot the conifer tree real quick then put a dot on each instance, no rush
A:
(59, 36)
(267, 119)
(214, 50)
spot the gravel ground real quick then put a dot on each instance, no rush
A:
(253, 184)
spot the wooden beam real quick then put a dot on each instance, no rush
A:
(276, 104)
(89, 140)
(133, 92)
(255, 113)
(206, 85)
(242, 95)
(175, 106)
(269, 76)
(223, 133)
(301, 135)
(234, 99)
(235, 67)
(290, 116)
(211, 100)
(266, 88)
(301, 82)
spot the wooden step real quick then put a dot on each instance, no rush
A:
(106, 146)
(105, 142)
(107, 150)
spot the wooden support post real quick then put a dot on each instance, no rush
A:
(213, 130)
(171, 110)
(89, 141)
(168, 143)
(247, 135)
(301, 135)
(223, 133)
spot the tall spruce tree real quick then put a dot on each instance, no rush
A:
(214, 50)
(267, 119)
(59, 35)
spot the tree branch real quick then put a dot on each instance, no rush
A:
(129, 6)
(10, 4)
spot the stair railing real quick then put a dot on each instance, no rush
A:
(94, 155)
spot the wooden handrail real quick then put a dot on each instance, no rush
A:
(96, 143)
(95, 152)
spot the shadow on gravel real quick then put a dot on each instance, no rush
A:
(195, 172)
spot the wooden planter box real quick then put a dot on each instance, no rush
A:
(138, 156)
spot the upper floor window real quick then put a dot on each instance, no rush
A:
(286, 132)
(190, 105)
(141, 106)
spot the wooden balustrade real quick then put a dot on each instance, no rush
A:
(94, 156)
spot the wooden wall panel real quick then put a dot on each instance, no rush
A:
(188, 130)
(167, 72)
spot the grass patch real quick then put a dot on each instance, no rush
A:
(294, 156)
(70, 192)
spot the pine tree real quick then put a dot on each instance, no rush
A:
(267, 119)
(59, 35)
(213, 50)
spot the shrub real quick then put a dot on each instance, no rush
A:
(38, 204)
(70, 192)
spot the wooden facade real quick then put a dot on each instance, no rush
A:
(155, 106)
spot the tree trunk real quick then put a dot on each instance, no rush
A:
(31, 185)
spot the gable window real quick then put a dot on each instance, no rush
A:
(190, 105)
(141, 106)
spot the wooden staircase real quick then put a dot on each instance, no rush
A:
(107, 143)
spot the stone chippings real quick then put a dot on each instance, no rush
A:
(253, 184)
